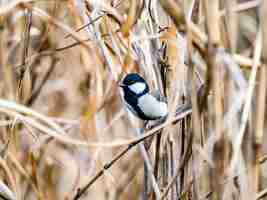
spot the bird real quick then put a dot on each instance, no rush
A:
(140, 101)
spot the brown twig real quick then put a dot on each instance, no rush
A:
(109, 164)
(184, 161)
(38, 89)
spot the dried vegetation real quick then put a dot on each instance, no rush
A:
(64, 133)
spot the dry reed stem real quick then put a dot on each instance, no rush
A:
(149, 167)
(189, 159)
(261, 101)
(247, 105)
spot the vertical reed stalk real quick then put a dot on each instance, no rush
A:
(261, 102)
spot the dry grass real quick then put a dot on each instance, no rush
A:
(64, 133)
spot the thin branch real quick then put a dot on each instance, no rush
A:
(106, 166)
(185, 160)
(141, 138)
(149, 168)
(38, 89)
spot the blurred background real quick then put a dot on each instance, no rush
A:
(63, 123)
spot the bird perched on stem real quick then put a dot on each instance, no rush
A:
(140, 101)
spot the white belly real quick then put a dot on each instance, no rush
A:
(152, 107)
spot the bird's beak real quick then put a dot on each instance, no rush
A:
(121, 85)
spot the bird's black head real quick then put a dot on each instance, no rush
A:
(135, 84)
(133, 78)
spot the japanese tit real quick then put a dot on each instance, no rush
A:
(140, 101)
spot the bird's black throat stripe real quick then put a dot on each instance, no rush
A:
(132, 103)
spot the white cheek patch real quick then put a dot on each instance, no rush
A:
(138, 88)
(152, 107)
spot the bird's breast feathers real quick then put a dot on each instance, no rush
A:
(151, 107)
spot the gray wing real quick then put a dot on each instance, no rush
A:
(180, 108)
(158, 95)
